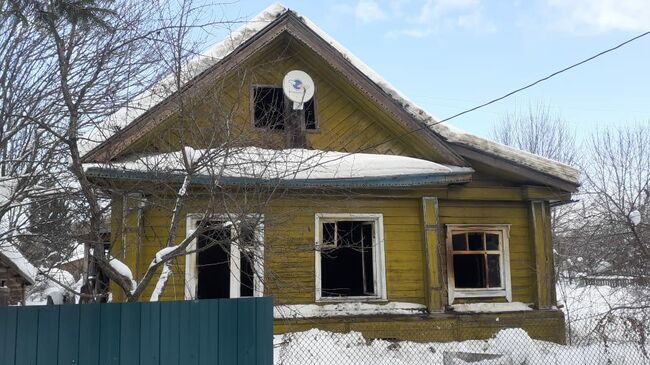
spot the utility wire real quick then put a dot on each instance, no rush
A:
(545, 78)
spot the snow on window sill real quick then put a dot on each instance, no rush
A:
(491, 307)
(346, 309)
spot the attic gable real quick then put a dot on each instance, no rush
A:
(451, 146)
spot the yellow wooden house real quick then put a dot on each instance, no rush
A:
(402, 228)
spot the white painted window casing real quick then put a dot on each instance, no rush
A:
(505, 290)
(191, 274)
(379, 270)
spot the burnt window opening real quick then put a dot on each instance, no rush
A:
(226, 261)
(271, 109)
(477, 260)
(213, 263)
(347, 259)
(310, 115)
(247, 247)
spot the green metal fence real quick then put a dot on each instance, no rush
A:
(220, 331)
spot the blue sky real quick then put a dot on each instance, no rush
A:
(450, 55)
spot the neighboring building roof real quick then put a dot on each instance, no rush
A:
(465, 144)
(289, 167)
(11, 257)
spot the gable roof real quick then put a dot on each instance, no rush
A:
(10, 256)
(146, 110)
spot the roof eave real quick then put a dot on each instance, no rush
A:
(411, 180)
(518, 169)
(16, 269)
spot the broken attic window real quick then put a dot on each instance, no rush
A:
(310, 115)
(268, 107)
(347, 259)
(477, 260)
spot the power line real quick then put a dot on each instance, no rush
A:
(543, 79)
(528, 86)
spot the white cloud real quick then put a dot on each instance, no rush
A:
(368, 11)
(411, 33)
(420, 18)
(435, 9)
(438, 14)
(476, 21)
(588, 16)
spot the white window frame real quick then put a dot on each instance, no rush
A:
(191, 273)
(505, 291)
(379, 266)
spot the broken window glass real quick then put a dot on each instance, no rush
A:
(476, 260)
(268, 107)
(216, 260)
(347, 259)
(213, 263)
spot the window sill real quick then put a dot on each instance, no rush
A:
(491, 307)
(322, 310)
(337, 300)
(478, 293)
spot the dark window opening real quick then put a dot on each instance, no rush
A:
(269, 107)
(246, 260)
(213, 263)
(247, 276)
(476, 260)
(347, 268)
(310, 115)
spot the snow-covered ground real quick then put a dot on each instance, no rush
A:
(316, 347)
(595, 313)
(598, 336)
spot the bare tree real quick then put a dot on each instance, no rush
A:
(29, 153)
(546, 134)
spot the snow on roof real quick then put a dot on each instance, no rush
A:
(77, 254)
(453, 135)
(162, 89)
(288, 164)
(10, 254)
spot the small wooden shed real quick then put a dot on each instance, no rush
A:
(16, 273)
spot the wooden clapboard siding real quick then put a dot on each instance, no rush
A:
(289, 235)
(545, 325)
(294, 238)
(347, 121)
(522, 267)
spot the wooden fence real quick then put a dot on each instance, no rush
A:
(614, 282)
(219, 331)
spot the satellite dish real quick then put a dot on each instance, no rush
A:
(298, 87)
